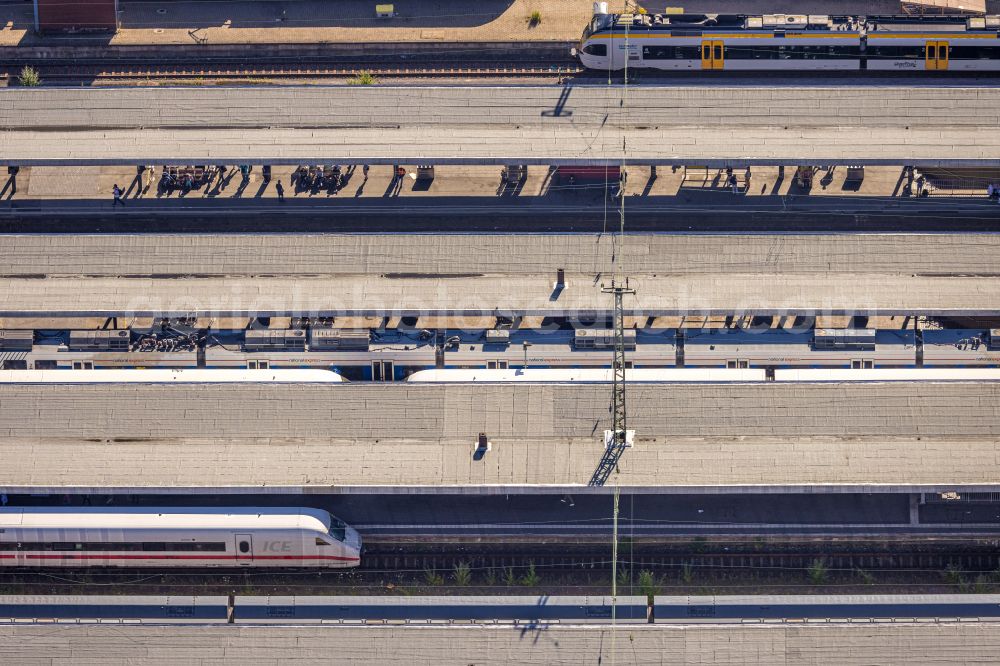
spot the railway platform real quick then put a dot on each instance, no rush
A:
(470, 198)
(74, 190)
(355, 21)
(311, 21)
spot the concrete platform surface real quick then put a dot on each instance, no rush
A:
(701, 125)
(765, 644)
(354, 21)
(67, 190)
(472, 199)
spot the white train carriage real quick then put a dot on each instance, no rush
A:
(961, 348)
(721, 42)
(163, 376)
(933, 45)
(779, 348)
(587, 375)
(784, 42)
(176, 537)
(891, 375)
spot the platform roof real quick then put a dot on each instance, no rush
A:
(478, 274)
(320, 255)
(854, 644)
(578, 124)
(689, 438)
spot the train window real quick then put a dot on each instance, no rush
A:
(667, 52)
(600, 50)
(116, 547)
(244, 546)
(338, 530)
(657, 52)
(975, 52)
(793, 52)
(895, 52)
(321, 542)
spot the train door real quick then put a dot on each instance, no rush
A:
(383, 371)
(713, 54)
(244, 548)
(936, 55)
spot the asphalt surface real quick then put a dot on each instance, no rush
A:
(489, 215)
(282, 609)
(583, 515)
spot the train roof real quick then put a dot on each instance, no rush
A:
(887, 374)
(695, 24)
(167, 376)
(588, 375)
(166, 518)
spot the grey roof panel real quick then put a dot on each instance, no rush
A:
(551, 645)
(535, 411)
(475, 125)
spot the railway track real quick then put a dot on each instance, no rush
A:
(969, 569)
(286, 66)
(160, 73)
(882, 561)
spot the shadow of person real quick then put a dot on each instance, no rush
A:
(136, 185)
(241, 188)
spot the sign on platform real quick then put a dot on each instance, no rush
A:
(609, 438)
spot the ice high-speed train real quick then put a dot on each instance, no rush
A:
(391, 355)
(261, 537)
(784, 42)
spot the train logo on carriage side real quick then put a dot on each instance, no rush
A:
(276, 546)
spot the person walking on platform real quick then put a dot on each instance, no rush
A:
(746, 181)
(117, 192)
(364, 170)
(280, 189)
(735, 184)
